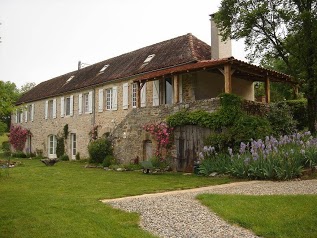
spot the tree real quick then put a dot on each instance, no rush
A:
(8, 95)
(285, 30)
(27, 87)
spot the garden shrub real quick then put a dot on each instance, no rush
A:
(5, 146)
(248, 127)
(99, 149)
(299, 111)
(60, 146)
(19, 154)
(77, 156)
(109, 160)
(64, 157)
(159, 163)
(281, 119)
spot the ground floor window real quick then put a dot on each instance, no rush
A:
(73, 145)
(52, 146)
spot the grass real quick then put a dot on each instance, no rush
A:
(268, 216)
(63, 200)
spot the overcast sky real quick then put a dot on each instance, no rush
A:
(42, 39)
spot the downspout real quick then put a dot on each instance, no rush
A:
(94, 109)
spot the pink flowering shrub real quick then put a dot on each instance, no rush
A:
(162, 133)
(18, 136)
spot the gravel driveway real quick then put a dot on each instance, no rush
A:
(179, 214)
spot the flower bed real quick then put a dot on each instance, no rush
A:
(276, 159)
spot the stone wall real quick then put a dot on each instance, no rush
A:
(129, 137)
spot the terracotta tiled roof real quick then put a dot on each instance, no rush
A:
(242, 70)
(181, 50)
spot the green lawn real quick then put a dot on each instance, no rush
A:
(63, 200)
(268, 216)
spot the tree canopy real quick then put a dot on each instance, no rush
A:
(285, 30)
(9, 94)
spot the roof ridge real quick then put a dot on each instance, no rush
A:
(191, 45)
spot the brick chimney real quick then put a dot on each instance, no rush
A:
(219, 49)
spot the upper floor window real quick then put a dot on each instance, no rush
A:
(168, 91)
(86, 103)
(19, 116)
(109, 98)
(30, 112)
(50, 108)
(67, 105)
(134, 90)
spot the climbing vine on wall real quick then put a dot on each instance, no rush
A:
(18, 136)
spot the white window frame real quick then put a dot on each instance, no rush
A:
(109, 98)
(100, 100)
(143, 95)
(52, 142)
(134, 89)
(69, 103)
(19, 116)
(125, 96)
(85, 103)
(73, 145)
(29, 112)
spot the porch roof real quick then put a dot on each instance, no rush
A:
(239, 68)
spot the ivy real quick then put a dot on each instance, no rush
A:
(230, 122)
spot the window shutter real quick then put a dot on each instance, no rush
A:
(62, 106)
(32, 112)
(26, 114)
(180, 84)
(156, 93)
(16, 116)
(143, 96)
(71, 105)
(100, 100)
(80, 103)
(54, 108)
(125, 97)
(46, 109)
(90, 102)
(115, 98)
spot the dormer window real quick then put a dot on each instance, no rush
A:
(104, 68)
(148, 59)
(70, 78)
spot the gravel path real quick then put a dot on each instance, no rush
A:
(179, 214)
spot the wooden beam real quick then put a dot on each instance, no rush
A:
(267, 90)
(138, 94)
(176, 89)
(228, 78)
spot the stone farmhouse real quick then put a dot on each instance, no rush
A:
(121, 94)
